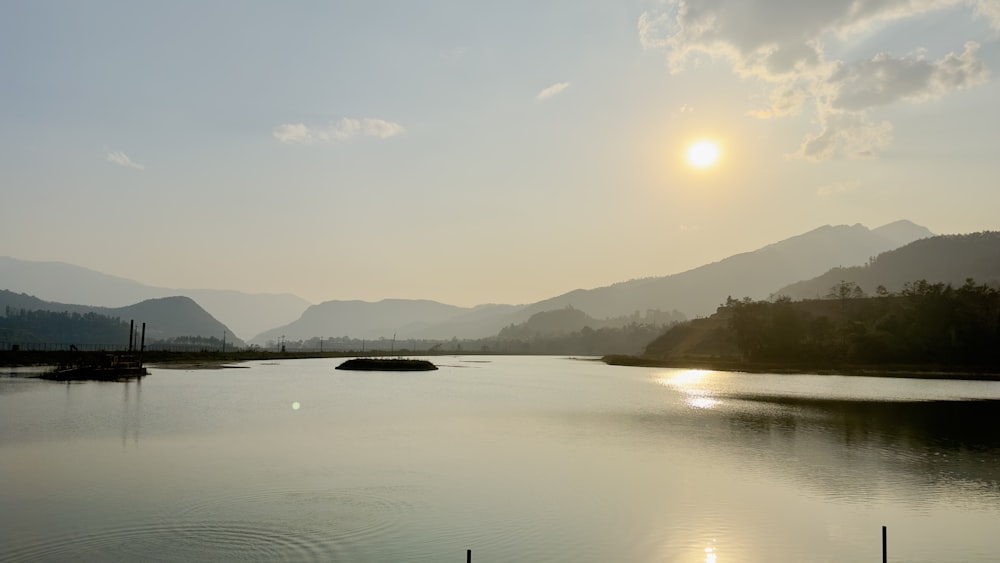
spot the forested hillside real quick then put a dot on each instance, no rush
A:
(61, 329)
(941, 259)
(924, 323)
(29, 319)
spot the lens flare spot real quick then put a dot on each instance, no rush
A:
(296, 406)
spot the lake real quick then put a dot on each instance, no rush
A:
(516, 458)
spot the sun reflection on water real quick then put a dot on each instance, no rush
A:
(691, 383)
(685, 378)
(701, 401)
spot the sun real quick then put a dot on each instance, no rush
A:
(703, 154)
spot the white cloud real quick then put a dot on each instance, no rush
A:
(293, 133)
(780, 43)
(380, 128)
(342, 130)
(552, 91)
(122, 159)
(989, 9)
(847, 134)
(886, 79)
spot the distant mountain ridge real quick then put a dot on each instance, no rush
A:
(755, 274)
(694, 292)
(166, 317)
(247, 314)
(406, 318)
(942, 259)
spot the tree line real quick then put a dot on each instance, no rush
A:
(924, 323)
(38, 326)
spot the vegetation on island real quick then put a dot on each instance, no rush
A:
(387, 364)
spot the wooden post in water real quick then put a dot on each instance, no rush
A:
(468, 556)
(131, 333)
(884, 552)
(142, 346)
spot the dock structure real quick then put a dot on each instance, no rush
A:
(105, 367)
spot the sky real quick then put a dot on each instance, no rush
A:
(471, 152)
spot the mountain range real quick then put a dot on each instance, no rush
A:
(903, 326)
(944, 259)
(165, 317)
(697, 292)
(246, 314)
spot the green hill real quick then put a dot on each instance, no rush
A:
(925, 324)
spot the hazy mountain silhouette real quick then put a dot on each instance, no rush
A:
(166, 317)
(247, 314)
(942, 259)
(693, 293)
(560, 321)
(696, 292)
(754, 274)
(407, 318)
(699, 291)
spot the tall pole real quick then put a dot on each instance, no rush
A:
(131, 333)
(142, 346)
(885, 558)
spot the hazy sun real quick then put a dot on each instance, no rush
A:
(703, 154)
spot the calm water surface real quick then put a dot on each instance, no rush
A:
(516, 458)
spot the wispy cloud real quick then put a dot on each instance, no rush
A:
(781, 44)
(683, 110)
(552, 91)
(989, 9)
(122, 159)
(342, 130)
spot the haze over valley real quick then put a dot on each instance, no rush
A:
(803, 266)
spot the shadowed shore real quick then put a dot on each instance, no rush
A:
(907, 371)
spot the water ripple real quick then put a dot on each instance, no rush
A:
(345, 515)
(205, 541)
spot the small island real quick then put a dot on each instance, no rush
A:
(387, 364)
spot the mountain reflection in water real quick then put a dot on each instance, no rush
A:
(848, 448)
